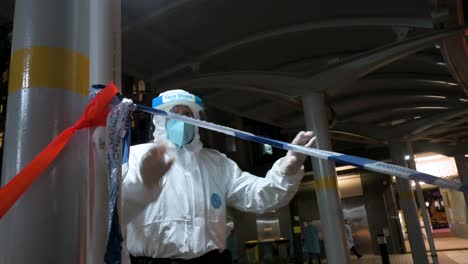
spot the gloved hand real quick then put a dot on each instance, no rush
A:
(293, 161)
(154, 165)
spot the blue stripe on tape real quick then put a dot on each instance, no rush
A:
(272, 142)
(157, 101)
(463, 188)
(150, 110)
(126, 146)
(422, 177)
(359, 162)
(351, 160)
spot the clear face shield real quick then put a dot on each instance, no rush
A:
(177, 132)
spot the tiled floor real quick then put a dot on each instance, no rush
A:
(446, 243)
(450, 250)
(446, 257)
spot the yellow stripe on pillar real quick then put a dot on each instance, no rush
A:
(325, 183)
(49, 67)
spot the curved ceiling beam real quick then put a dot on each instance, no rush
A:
(366, 130)
(375, 83)
(420, 125)
(346, 72)
(335, 77)
(212, 103)
(274, 95)
(351, 137)
(454, 136)
(453, 130)
(384, 100)
(263, 82)
(321, 60)
(394, 107)
(329, 23)
(384, 118)
(455, 49)
(406, 130)
(441, 127)
(173, 4)
(423, 77)
(396, 91)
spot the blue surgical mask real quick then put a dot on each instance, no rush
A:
(179, 132)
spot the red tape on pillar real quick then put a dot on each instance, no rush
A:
(94, 115)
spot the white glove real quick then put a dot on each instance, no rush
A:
(154, 165)
(293, 161)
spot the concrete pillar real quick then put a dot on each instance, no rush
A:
(422, 206)
(47, 93)
(331, 212)
(104, 50)
(399, 150)
(381, 211)
(462, 168)
(105, 41)
(241, 153)
(397, 243)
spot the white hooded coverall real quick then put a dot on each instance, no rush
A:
(185, 215)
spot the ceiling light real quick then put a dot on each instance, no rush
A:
(413, 183)
(435, 96)
(430, 107)
(429, 158)
(347, 167)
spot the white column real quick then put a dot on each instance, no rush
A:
(48, 91)
(326, 186)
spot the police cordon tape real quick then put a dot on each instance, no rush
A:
(95, 115)
(363, 163)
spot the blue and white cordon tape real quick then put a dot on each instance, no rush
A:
(363, 163)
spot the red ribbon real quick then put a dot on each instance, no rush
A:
(95, 115)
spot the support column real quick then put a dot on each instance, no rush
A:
(399, 150)
(326, 185)
(397, 241)
(104, 50)
(104, 41)
(462, 168)
(48, 90)
(241, 153)
(422, 206)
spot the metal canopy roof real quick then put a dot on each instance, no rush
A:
(255, 58)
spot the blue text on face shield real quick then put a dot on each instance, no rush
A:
(179, 132)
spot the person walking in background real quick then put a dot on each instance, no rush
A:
(349, 237)
(311, 243)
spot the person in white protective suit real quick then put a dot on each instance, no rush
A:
(175, 192)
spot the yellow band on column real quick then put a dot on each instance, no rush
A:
(325, 183)
(49, 67)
